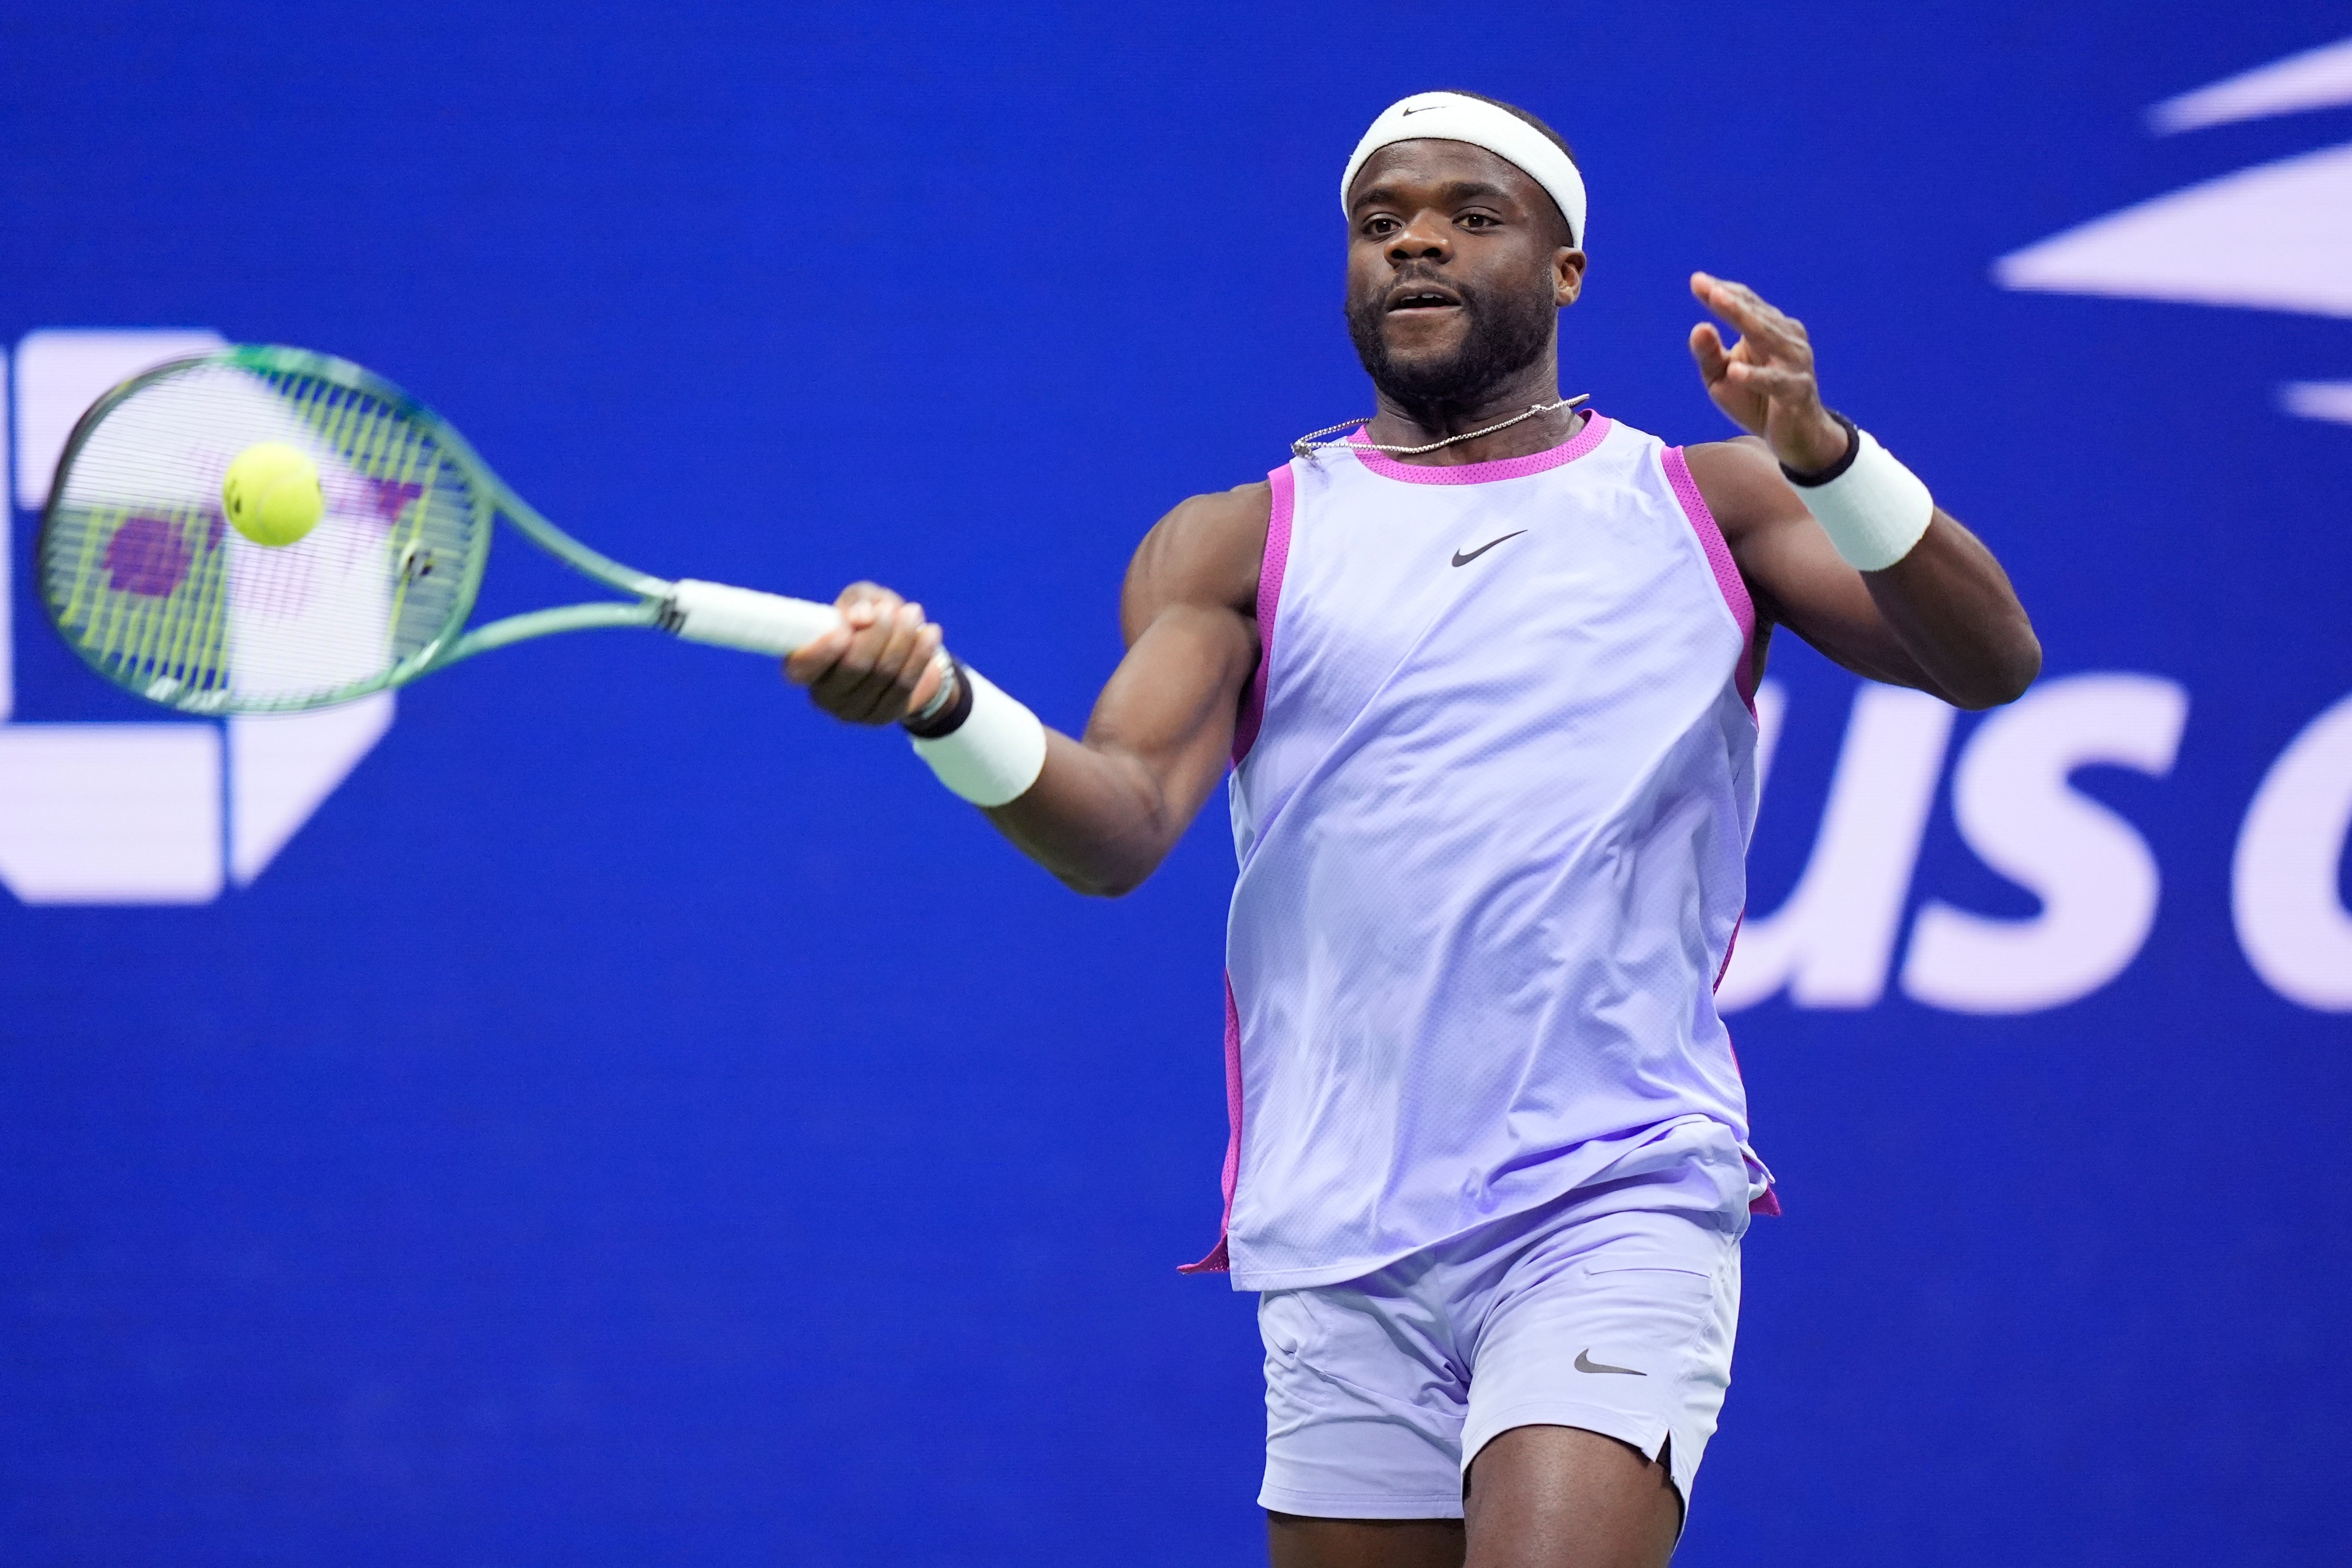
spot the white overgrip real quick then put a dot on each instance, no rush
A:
(746, 618)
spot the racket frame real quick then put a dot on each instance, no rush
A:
(492, 499)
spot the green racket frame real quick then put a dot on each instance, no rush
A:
(703, 612)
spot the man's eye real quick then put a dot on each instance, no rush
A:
(1476, 220)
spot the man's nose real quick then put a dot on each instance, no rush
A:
(1423, 240)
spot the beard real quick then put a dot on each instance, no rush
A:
(1508, 333)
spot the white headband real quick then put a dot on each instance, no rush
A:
(1451, 117)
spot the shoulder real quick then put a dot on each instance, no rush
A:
(1205, 551)
(1222, 518)
(1740, 481)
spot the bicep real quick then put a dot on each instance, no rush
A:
(1173, 700)
(1107, 809)
(1188, 614)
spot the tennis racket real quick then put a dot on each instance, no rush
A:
(142, 576)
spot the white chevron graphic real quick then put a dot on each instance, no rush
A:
(2277, 236)
(163, 813)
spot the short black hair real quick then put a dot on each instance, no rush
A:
(1548, 135)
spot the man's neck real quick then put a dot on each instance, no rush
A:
(1399, 423)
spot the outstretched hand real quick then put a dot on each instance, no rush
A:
(1764, 381)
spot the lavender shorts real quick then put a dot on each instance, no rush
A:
(1611, 1309)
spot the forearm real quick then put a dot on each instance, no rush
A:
(1099, 813)
(1938, 593)
(1105, 811)
(1887, 583)
(1951, 606)
(1098, 820)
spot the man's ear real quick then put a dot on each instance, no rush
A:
(1567, 275)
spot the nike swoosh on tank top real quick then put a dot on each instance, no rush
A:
(1492, 822)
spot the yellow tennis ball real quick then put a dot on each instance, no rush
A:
(271, 494)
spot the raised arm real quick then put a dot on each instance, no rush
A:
(1942, 617)
(1104, 809)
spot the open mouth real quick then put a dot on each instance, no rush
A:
(1422, 297)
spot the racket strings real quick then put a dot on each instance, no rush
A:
(145, 577)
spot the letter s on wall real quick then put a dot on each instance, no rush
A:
(2097, 882)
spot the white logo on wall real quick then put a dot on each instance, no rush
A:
(2278, 238)
(163, 813)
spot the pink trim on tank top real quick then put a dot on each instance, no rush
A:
(1727, 572)
(1767, 1203)
(1590, 434)
(1270, 568)
(1220, 1260)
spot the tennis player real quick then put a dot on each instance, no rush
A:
(1482, 669)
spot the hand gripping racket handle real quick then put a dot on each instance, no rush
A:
(745, 618)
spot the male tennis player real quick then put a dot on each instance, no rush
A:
(1482, 670)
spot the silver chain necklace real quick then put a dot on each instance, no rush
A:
(1307, 445)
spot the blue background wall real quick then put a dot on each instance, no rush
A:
(637, 1121)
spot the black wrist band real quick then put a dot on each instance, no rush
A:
(950, 718)
(1820, 477)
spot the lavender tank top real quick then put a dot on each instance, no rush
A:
(1494, 785)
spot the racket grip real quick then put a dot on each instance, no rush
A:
(745, 618)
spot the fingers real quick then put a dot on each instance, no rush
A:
(1774, 382)
(1734, 302)
(1707, 348)
(931, 672)
(880, 662)
(869, 683)
(1774, 333)
(814, 659)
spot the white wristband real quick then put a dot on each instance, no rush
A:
(995, 754)
(1874, 511)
